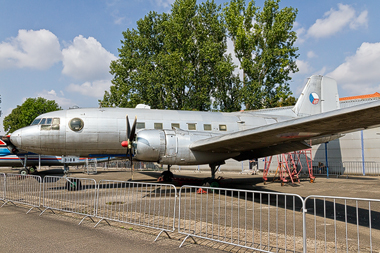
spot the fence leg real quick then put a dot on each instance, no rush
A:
(101, 221)
(6, 202)
(186, 239)
(32, 208)
(85, 218)
(47, 209)
(161, 233)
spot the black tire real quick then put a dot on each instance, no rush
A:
(73, 185)
(209, 182)
(33, 170)
(23, 172)
(167, 176)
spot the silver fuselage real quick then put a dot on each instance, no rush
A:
(169, 136)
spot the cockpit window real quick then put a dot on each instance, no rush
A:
(48, 121)
(42, 122)
(76, 124)
(35, 122)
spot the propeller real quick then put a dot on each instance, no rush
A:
(131, 134)
(10, 146)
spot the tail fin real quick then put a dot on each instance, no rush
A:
(320, 94)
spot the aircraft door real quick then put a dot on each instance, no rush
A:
(52, 136)
(171, 144)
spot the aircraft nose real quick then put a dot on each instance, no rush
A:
(27, 138)
(16, 138)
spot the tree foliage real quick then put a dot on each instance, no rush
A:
(180, 61)
(263, 43)
(23, 115)
(176, 61)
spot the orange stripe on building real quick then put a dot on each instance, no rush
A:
(374, 95)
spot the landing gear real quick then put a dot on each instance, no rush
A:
(166, 176)
(212, 181)
(23, 171)
(33, 170)
(73, 184)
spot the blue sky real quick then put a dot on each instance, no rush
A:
(61, 50)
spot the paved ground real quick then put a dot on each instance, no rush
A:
(22, 232)
(60, 232)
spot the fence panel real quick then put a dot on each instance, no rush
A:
(2, 186)
(69, 194)
(143, 204)
(251, 219)
(356, 168)
(23, 189)
(338, 224)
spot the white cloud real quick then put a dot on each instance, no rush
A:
(360, 73)
(52, 95)
(311, 54)
(86, 59)
(163, 3)
(94, 89)
(335, 20)
(34, 49)
(303, 66)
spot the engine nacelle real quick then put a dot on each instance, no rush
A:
(172, 147)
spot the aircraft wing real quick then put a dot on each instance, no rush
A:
(291, 135)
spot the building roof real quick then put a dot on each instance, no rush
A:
(369, 96)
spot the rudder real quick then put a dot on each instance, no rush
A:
(319, 95)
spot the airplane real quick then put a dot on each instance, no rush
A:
(30, 161)
(175, 137)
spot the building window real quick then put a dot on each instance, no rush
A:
(207, 127)
(191, 126)
(140, 125)
(158, 126)
(222, 128)
(175, 125)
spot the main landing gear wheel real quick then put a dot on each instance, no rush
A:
(23, 172)
(33, 170)
(73, 185)
(210, 182)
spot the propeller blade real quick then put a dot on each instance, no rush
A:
(133, 131)
(128, 127)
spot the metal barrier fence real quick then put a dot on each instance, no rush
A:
(143, 204)
(256, 220)
(262, 221)
(361, 168)
(23, 189)
(336, 224)
(68, 194)
(2, 187)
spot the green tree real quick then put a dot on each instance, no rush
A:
(23, 115)
(263, 43)
(176, 61)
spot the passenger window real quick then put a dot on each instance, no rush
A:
(76, 124)
(175, 125)
(207, 127)
(35, 122)
(158, 126)
(191, 126)
(140, 125)
(222, 128)
(42, 122)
